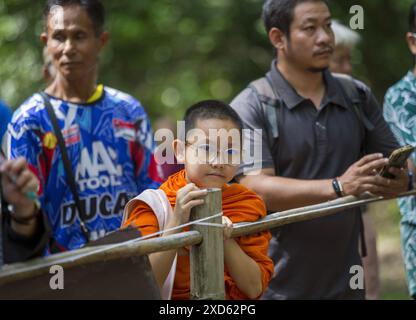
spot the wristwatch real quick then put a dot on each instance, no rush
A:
(337, 185)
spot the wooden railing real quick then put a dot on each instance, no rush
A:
(206, 254)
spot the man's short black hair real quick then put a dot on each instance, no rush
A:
(280, 13)
(95, 10)
(210, 109)
(412, 18)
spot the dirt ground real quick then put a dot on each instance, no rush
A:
(386, 217)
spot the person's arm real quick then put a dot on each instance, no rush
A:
(246, 260)
(144, 219)
(284, 193)
(25, 229)
(397, 124)
(247, 279)
(17, 180)
(18, 248)
(384, 139)
(187, 198)
(28, 227)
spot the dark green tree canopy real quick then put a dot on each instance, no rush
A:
(170, 54)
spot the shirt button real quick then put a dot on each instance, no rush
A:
(320, 126)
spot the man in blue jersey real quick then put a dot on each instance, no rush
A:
(106, 132)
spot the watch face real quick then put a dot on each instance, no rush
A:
(337, 187)
(10, 208)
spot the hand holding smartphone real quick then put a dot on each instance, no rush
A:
(397, 159)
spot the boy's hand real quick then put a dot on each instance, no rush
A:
(187, 198)
(228, 227)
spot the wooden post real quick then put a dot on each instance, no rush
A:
(207, 258)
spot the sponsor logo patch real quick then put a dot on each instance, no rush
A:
(123, 129)
(71, 135)
(49, 141)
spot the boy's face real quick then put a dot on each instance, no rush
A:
(212, 153)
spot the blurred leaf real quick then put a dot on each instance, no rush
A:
(169, 54)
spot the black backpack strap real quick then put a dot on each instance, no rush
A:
(356, 99)
(362, 234)
(67, 164)
(270, 104)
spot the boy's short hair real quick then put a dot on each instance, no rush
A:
(279, 14)
(210, 109)
(95, 10)
(412, 18)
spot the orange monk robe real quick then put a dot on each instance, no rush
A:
(240, 205)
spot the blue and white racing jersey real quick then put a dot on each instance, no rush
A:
(110, 145)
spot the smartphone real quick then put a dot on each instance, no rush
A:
(397, 159)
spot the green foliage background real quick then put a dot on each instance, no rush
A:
(171, 53)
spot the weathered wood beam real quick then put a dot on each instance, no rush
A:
(207, 258)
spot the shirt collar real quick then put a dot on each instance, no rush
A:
(283, 88)
(334, 93)
(292, 99)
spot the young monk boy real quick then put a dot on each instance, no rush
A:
(209, 163)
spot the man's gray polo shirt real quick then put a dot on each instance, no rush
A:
(313, 258)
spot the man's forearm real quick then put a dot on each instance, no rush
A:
(283, 193)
